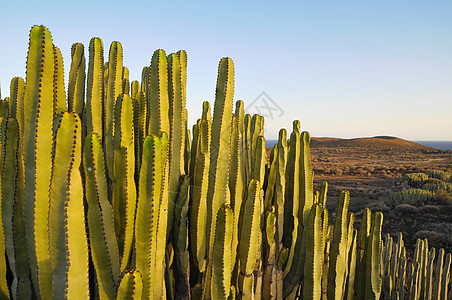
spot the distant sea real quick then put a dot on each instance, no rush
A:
(441, 145)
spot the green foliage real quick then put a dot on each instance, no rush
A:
(441, 175)
(415, 179)
(413, 197)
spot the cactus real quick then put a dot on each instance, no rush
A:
(38, 123)
(221, 258)
(131, 286)
(199, 196)
(76, 88)
(339, 251)
(113, 90)
(312, 286)
(196, 230)
(95, 88)
(59, 94)
(124, 188)
(180, 239)
(100, 217)
(68, 241)
(250, 236)
(151, 214)
(218, 190)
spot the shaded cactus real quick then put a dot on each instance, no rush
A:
(104, 248)
(131, 286)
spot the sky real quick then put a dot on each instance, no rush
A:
(343, 68)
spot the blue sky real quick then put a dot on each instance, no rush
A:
(343, 68)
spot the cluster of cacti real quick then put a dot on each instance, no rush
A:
(411, 196)
(109, 195)
(439, 174)
(423, 277)
(415, 179)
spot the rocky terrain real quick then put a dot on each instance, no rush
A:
(371, 169)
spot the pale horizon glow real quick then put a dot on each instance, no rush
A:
(349, 69)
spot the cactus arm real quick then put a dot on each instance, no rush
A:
(134, 89)
(158, 100)
(76, 245)
(65, 144)
(446, 276)
(124, 188)
(177, 131)
(250, 238)
(199, 196)
(125, 81)
(338, 252)
(103, 244)
(429, 274)
(312, 285)
(4, 219)
(76, 88)
(131, 286)
(291, 196)
(17, 88)
(373, 279)
(59, 94)
(218, 190)
(95, 88)
(351, 263)
(148, 246)
(180, 239)
(221, 259)
(38, 122)
(113, 89)
(236, 182)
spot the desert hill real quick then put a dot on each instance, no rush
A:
(371, 143)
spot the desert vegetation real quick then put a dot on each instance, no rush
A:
(107, 194)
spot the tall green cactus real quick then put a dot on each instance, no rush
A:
(38, 123)
(180, 239)
(150, 236)
(177, 130)
(373, 244)
(124, 188)
(68, 241)
(198, 212)
(113, 90)
(312, 286)
(339, 251)
(4, 292)
(221, 258)
(250, 239)
(218, 190)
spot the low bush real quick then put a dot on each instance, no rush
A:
(414, 197)
(415, 179)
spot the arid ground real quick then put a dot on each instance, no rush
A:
(371, 169)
